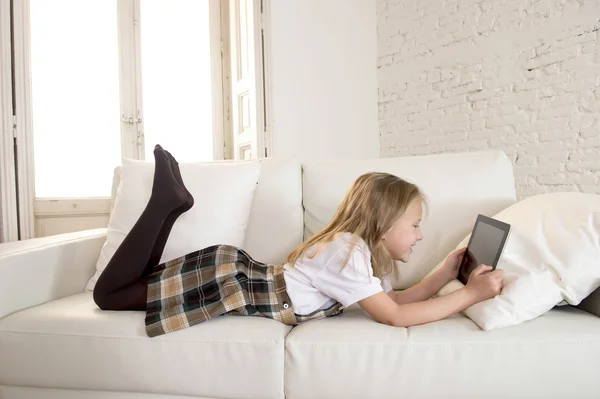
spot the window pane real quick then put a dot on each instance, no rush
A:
(176, 78)
(75, 95)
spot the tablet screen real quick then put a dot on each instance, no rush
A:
(484, 247)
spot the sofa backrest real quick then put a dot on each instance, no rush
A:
(276, 219)
(294, 200)
(458, 187)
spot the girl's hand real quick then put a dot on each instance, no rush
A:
(449, 271)
(484, 285)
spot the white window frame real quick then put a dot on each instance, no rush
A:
(9, 230)
(130, 81)
(220, 75)
(23, 120)
(263, 84)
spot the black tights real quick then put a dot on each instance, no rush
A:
(123, 284)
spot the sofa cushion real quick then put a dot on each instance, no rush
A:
(276, 220)
(223, 195)
(351, 356)
(70, 343)
(458, 186)
(276, 224)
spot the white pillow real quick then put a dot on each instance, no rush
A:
(223, 194)
(552, 257)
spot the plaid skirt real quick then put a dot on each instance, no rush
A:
(215, 281)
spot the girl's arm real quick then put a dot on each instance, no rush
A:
(479, 287)
(432, 284)
(421, 291)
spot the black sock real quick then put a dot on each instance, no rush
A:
(163, 236)
(131, 259)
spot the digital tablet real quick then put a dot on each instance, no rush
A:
(485, 246)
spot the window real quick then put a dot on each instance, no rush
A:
(97, 80)
(75, 88)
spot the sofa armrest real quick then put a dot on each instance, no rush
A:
(591, 304)
(40, 270)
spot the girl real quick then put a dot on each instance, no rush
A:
(350, 261)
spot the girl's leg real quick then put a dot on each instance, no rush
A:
(121, 285)
(163, 236)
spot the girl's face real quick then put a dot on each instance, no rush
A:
(400, 239)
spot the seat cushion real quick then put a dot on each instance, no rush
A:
(352, 356)
(70, 343)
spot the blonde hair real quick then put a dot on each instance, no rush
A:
(370, 208)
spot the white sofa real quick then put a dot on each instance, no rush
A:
(55, 343)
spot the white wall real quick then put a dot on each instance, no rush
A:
(517, 75)
(323, 78)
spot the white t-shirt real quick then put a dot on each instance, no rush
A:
(318, 283)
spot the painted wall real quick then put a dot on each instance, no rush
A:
(323, 71)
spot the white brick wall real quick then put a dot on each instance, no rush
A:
(518, 75)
